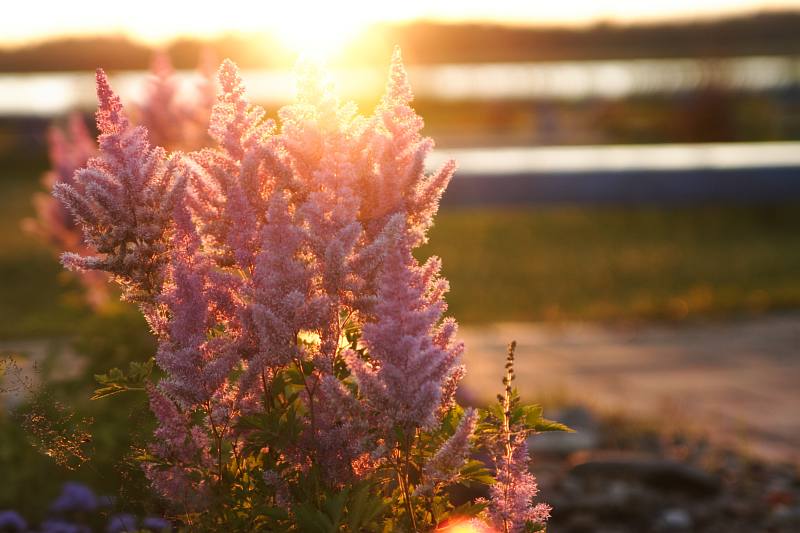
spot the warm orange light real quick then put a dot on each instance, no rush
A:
(320, 30)
(318, 36)
(464, 526)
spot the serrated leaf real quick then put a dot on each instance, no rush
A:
(469, 509)
(312, 520)
(276, 512)
(544, 425)
(475, 472)
(334, 507)
(532, 413)
(110, 390)
(364, 507)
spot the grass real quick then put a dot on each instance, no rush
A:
(618, 264)
(506, 264)
(37, 297)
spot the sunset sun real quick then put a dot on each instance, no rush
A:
(321, 34)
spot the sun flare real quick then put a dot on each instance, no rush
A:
(320, 33)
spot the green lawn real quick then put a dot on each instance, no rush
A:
(508, 264)
(618, 264)
(36, 297)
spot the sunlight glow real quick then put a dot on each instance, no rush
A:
(321, 33)
(465, 526)
(320, 27)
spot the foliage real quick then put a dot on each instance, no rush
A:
(307, 375)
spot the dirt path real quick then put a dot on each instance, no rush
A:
(739, 379)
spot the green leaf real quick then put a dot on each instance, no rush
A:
(109, 390)
(543, 425)
(116, 381)
(312, 520)
(276, 513)
(475, 472)
(469, 509)
(364, 507)
(334, 507)
(532, 413)
(534, 421)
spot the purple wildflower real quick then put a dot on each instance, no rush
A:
(61, 526)
(12, 522)
(156, 524)
(75, 497)
(121, 523)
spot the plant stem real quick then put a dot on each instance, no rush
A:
(405, 481)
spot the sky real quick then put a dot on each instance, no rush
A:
(325, 22)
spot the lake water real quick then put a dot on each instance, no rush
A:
(556, 160)
(666, 174)
(58, 92)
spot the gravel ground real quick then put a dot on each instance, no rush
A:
(734, 381)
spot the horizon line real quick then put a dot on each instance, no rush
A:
(528, 23)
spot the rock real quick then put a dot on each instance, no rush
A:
(586, 436)
(784, 518)
(654, 472)
(676, 519)
(622, 502)
(580, 523)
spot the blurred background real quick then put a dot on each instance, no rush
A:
(627, 207)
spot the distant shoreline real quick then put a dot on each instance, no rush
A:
(767, 33)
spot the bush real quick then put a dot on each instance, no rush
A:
(309, 374)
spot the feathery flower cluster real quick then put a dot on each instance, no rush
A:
(176, 118)
(277, 232)
(297, 332)
(124, 201)
(69, 151)
(444, 466)
(512, 509)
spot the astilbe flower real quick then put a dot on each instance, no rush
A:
(195, 298)
(160, 112)
(69, 150)
(174, 120)
(443, 468)
(340, 437)
(124, 202)
(184, 446)
(396, 180)
(411, 353)
(177, 119)
(319, 138)
(304, 227)
(511, 507)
